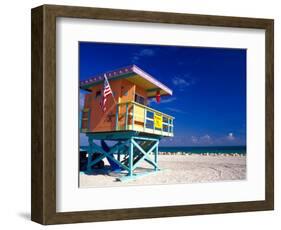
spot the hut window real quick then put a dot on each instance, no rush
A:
(139, 99)
(98, 94)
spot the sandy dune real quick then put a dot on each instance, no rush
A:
(177, 169)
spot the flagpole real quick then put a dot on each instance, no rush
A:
(110, 88)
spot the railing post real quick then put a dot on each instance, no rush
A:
(116, 117)
(153, 122)
(126, 119)
(162, 125)
(172, 126)
(133, 116)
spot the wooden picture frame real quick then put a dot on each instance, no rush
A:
(43, 207)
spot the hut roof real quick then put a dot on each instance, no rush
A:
(133, 74)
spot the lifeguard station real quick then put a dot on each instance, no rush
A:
(128, 122)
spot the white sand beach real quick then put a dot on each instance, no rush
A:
(177, 169)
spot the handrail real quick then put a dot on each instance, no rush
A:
(129, 125)
(146, 107)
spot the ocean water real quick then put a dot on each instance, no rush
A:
(204, 149)
(200, 149)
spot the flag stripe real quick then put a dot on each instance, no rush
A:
(106, 91)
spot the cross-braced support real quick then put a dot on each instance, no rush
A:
(125, 155)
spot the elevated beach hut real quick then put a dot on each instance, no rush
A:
(125, 118)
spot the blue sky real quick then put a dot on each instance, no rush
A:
(209, 87)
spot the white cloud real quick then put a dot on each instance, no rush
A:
(168, 100)
(230, 137)
(177, 81)
(194, 139)
(202, 140)
(147, 52)
(206, 139)
(176, 110)
(143, 53)
(182, 82)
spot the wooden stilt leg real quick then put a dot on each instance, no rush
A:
(90, 154)
(131, 158)
(139, 150)
(156, 156)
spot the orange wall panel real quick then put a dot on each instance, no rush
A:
(124, 91)
(127, 91)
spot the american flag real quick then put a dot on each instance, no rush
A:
(106, 92)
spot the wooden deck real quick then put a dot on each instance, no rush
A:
(132, 116)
